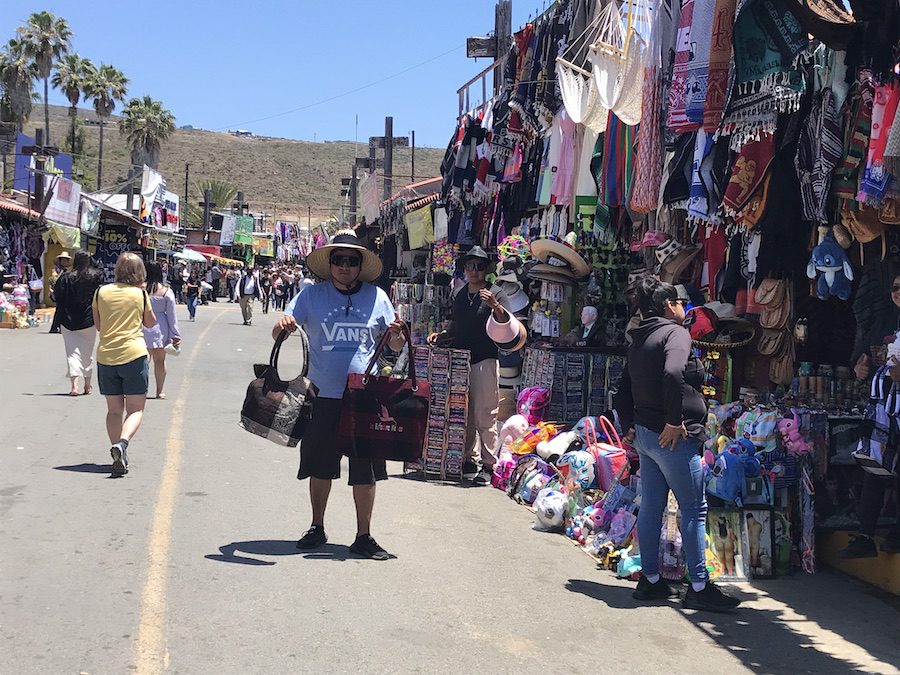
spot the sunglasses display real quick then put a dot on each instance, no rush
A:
(345, 261)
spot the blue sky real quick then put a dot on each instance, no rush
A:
(225, 65)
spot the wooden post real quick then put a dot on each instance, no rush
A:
(38, 195)
(353, 182)
(503, 35)
(388, 156)
(412, 157)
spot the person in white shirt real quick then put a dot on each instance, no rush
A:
(247, 290)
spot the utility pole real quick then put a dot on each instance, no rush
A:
(40, 153)
(412, 156)
(207, 205)
(353, 182)
(388, 157)
(129, 196)
(187, 170)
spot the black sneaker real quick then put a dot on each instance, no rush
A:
(366, 547)
(860, 546)
(469, 470)
(313, 538)
(646, 591)
(120, 461)
(710, 599)
(484, 476)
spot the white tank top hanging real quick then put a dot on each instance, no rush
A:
(637, 55)
(608, 54)
(576, 81)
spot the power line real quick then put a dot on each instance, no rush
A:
(337, 96)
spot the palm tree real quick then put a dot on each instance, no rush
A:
(17, 74)
(72, 76)
(46, 39)
(146, 124)
(106, 86)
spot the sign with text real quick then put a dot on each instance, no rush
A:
(115, 239)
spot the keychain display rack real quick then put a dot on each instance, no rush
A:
(448, 372)
(424, 306)
(582, 382)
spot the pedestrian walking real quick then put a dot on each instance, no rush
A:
(265, 290)
(165, 332)
(74, 293)
(248, 290)
(472, 306)
(216, 276)
(278, 291)
(121, 310)
(659, 397)
(192, 295)
(177, 282)
(344, 318)
(63, 265)
(231, 277)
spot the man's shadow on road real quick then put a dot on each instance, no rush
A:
(86, 468)
(240, 551)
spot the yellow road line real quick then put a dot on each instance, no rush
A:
(150, 653)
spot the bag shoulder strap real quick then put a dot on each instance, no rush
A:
(304, 350)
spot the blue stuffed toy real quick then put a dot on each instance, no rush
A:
(835, 272)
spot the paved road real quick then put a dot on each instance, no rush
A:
(188, 564)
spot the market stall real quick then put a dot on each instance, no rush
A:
(636, 139)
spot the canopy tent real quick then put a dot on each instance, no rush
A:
(190, 255)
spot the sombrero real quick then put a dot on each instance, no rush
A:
(710, 329)
(510, 336)
(554, 273)
(547, 249)
(319, 261)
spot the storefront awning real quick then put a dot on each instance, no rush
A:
(15, 207)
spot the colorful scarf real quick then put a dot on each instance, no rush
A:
(748, 172)
(699, 202)
(818, 152)
(767, 39)
(720, 64)
(648, 159)
(892, 149)
(677, 118)
(857, 116)
(698, 67)
(618, 162)
(875, 179)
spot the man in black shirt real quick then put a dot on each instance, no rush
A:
(472, 306)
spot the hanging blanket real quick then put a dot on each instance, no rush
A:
(698, 66)
(748, 172)
(857, 116)
(767, 39)
(818, 152)
(618, 162)
(892, 149)
(648, 159)
(677, 118)
(720, 64)
(875, 179)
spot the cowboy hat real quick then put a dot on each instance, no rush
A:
(547, 249)
(673, 257)
(554, 273)
(511, 296)
(509, 335)
(319, 261)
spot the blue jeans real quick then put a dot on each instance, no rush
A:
(192, 305)
(681, 471)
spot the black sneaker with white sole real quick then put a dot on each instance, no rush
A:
(366, 547)
(120, 460)
(469, 470)
(312, 538)
(484, 476)
(646, 591)
(710, 599)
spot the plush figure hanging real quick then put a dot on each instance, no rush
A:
(835, 272)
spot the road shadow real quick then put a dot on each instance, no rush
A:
(616, 597)
(240, 551)
(66, 394)
(86, 468)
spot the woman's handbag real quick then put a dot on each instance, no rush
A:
(35, 284)
(276, 409)
(384, 417)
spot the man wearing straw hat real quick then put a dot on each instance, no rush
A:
(344, 318)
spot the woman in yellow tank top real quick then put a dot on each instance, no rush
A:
(121, 311)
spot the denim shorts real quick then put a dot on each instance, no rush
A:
(129, 379)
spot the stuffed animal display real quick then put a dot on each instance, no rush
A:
(830, 262)
(791, 438)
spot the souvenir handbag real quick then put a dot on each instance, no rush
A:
(35, 284)
(611, 459)
(671, 554)
(276, 409)
(384, 417)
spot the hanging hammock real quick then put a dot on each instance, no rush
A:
(576, 82)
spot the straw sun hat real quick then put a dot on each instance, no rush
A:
(319, 261)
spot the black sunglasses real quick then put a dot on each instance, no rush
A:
(345, 261)
(680, 301)
(476, 266)
(895, 288)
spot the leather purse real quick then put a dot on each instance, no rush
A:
(279, 410)
(384, 417)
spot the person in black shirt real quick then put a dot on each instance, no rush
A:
(472, 306)
(74, 292)
(659, 395)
